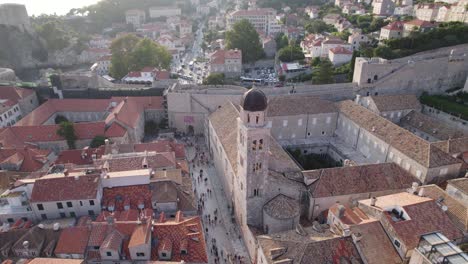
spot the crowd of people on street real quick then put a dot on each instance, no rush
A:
(212, 221)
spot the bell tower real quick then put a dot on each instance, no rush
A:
(253, 143)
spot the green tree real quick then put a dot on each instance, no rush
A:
(325, 73)
(281, 41)
(121, 49)
(316, 26)
(384, 52)
(244, 37)
(98, 141)
(315, 62)
(130, 53)
(55, 81)
(54, 35)
(290, 53)
(214, 79)
(67, 131)
(147, 53)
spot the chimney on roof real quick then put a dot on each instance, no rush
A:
(421, 192)
(106, 142)
(162, 218)
(77, 177)
(356, 237)
(373, 200)
(341, 211)
(65, 173)
(414, 187)
(26, 244)
(358, 99)
(179, 217)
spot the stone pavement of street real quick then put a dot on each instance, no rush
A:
(224, 235)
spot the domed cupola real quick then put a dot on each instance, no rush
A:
(254, 100)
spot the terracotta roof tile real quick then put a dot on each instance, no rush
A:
(115, 130)
(461, 184)
(55, 261)
(14, 93)
(73, 240)
(425, 216)
(162, 146)
(42, 113)
(374, 244)
(30, 159)
(133, 194)
(396, 25)
(141, 235)
(187, 233)
(432, 126)
(65, 188)
(113, 240)
(420, 23)
(456, 211)
(19, 136)
(152, 159)
(359, 179)
(396, 102)
(282, 207)
(79, 156)
(341, 50)
(219, 56)
(403, 140)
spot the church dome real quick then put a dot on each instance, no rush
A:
(254, 100)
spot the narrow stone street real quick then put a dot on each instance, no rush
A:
(223, 239)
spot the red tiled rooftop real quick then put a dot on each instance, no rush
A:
(425, 217)
(65, 188)
(420, 23)
(396, 25)
(341, 50)
(162, 75)
(79, 156)
(187, 233)
(133, 193)
(73, 240)
(219, 56)
(153, 160)
(14, 93)
(162, 146)
(31, 159)
(253, 12)
(141, 235)
(115, 130)
(42, 113)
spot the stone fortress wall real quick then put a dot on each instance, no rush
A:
(14, 15)
(431, 71)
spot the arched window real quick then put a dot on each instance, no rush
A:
(260, 145)
(376, 77)
(248, 118)
(254, 145)
(256, 119)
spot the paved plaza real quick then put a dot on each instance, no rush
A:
(223, 238)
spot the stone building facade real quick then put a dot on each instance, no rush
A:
(433, 72)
